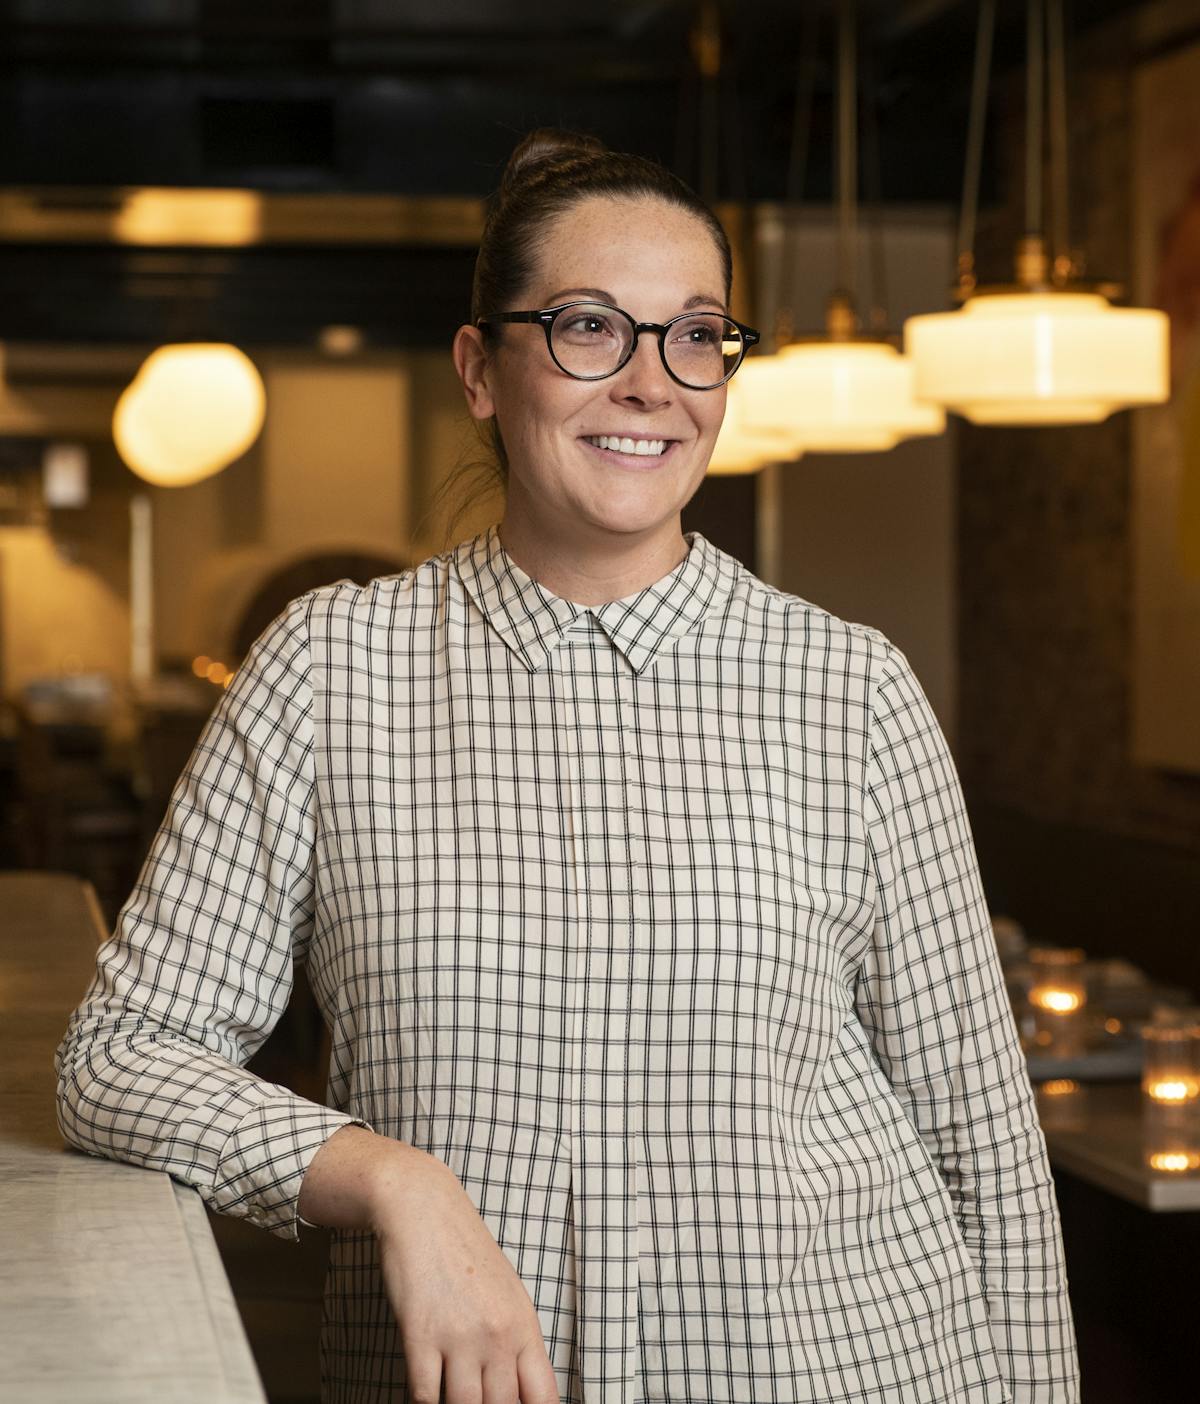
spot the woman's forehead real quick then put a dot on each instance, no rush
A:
(608, 242)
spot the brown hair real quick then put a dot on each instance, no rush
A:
(550, 171)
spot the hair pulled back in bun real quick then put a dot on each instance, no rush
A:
(550, 170)
(547, 144)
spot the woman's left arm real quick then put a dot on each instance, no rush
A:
(931, 994)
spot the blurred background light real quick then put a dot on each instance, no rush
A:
(191, 410)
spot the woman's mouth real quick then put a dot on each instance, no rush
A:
(626, 452)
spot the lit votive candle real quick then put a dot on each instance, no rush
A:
(1177, 1162)
(1171, 1089)
(1057, 993)
(1056, 1001)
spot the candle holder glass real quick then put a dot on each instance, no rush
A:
(1171, 1089)
(1057, 996)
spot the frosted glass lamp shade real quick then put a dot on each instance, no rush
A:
(1040, 358)
(742, 450)
(190, 411)
(837, 396)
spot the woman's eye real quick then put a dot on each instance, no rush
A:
(590, 324)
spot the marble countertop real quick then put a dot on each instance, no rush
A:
(112, 1287)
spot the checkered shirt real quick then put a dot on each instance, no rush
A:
(660, 923)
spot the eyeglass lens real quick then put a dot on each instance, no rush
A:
(592, 340)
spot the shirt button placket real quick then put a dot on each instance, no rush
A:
(604, 1165)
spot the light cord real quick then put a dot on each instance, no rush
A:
(877, 320)
(1034, 97)
(847, 149)
(806, 81)
(976, 123)
(1058, 142)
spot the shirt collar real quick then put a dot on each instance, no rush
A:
(531, 620)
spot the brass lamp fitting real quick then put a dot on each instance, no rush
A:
(1031, 262)
(841, 321)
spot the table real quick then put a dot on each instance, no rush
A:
(1095, 1133)
(112, 1287)
(1130, 1244)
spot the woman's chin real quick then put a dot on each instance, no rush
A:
(633, 511)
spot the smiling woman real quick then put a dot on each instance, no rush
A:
(671, 1054)
(602, 424)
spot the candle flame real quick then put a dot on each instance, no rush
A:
(1175, 1162)
(1173, 1090)
(1055, 1001)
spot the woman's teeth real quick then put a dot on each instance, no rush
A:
(648, 448)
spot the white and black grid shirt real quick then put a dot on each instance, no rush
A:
(660, 923)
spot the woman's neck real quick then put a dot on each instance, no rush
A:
(572, 571)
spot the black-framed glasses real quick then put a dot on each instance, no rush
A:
(590, 341)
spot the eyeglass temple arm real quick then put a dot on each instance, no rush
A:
(510, 317)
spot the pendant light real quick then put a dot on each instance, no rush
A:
(1050, 348)
(191, 410)
(844, 391)
(742, 450)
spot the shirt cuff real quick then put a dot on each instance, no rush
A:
(263, 1162)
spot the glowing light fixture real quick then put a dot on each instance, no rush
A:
(742, 450)
(191, 410)
(222, 217)
(844, 391)
(1044, 356)
(838, 394)
(1048, 349)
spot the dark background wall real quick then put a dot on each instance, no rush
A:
(1075, 839)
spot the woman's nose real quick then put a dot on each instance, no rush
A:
(644, 377)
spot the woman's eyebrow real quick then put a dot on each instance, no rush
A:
(696, 299)
(598, 293)
(699, 299)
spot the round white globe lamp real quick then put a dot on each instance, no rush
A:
(191, 410)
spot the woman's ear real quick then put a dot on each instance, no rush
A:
(471, 363)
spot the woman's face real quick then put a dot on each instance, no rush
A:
(651, 259)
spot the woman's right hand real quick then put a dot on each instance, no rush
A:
(467, 1324)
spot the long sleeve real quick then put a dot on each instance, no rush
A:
(931, 995)
(199, 967)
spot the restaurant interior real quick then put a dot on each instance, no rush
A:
(236, 240)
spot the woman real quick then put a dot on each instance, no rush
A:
(671, 1055)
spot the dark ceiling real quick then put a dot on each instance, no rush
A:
(345, 96)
